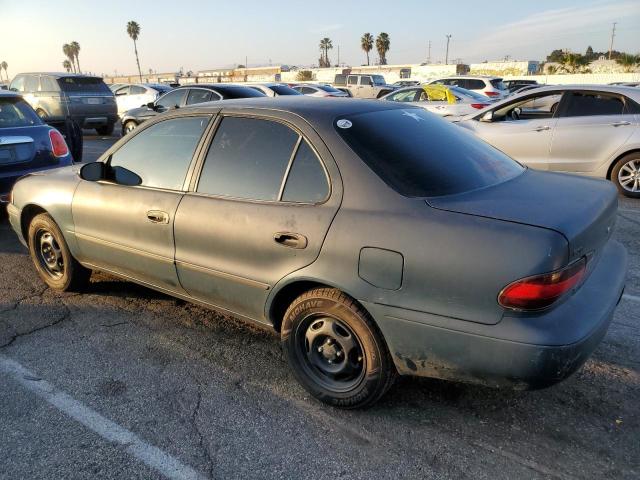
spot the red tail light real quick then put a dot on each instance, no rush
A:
(540, 291)
(479, 105)
(492, 94)
(58, 145)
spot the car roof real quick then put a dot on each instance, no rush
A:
(9, 93)
(619, 89)
(59, 74)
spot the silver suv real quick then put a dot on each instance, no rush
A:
(57, 97)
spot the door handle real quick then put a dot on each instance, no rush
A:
(157, 216)
(291, 240)
(620, 124)
(541, 129)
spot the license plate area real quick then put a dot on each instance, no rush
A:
(93, 101)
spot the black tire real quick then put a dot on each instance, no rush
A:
(52, 258)
(623, 170)
(129, 126)
(106, 130)
(353, 370)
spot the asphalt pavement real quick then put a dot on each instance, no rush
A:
(123, 382)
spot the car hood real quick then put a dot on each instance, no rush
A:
(582, 209)
(134, 112)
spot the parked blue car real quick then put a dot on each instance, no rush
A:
(27, 144)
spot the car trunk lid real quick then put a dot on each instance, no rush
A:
(583, 210)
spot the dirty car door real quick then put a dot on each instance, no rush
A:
(260, 210)
(129, 229)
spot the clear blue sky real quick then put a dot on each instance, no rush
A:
(199, 34)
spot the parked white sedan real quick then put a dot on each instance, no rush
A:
(452, 102)
(591, 130)
(136, 95)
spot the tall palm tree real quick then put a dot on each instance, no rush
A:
(383, 43)
(574, 63)
(4, 65)
(67, 50)
(366, 43)
(325, 46)
(133, 29)
(66, 65)
(75, 50)
(628, 62)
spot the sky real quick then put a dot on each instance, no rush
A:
(199, 35)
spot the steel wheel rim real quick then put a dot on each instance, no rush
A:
(330, 352)
(49, 253)
(629, 176)
(130, 127)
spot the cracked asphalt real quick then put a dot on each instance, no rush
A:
(217, 395)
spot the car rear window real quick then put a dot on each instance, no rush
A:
(419, 155)
(83, 84)
(240, 92)
(284, 90)
(15, 112)
(327, 88)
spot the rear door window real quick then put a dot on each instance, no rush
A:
(172, 99)
(32, 83)
(419, 155)
(247, 159)
(198, 95)
(307, 90)
(474, 84)
(307, 181)
(137, 90)
(162, 153)
(583, 104)
(83, 85)
(48, 84)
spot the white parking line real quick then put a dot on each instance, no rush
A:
(165, 464)
(633, 298)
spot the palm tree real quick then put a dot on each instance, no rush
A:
(4, 65)
(66, 65)
(325, 46)
(382, 46)
(628, 62)
(67, 50)
(366, 43)
(133, 29)
(574, 63)
(75, 50)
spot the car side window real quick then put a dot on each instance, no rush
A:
(32, 83)
(161, 154)
(137, 90)
(307, 90)
(198, 95)
(171, 100)
(122, 91)
(307, 181)
(352, 80)
(247, 159)
(583, 104)
(17, 84)
(366, 81)
(48, 84)
(404, 95)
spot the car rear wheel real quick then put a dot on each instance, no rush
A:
(335, 350)
(105, 129)
(626, 175)
(129, 127)
(52, 258)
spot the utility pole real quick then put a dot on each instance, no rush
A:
(429, 54)
(446, 58)
(246, 62)
(613, 34)
(338, 55)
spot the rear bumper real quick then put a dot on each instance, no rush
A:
(523, 352)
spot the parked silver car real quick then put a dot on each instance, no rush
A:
(317, 90)
(591, 130)
(272, 89)
(373, 236)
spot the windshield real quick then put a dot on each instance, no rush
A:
(284, 90)
(15, 112)
(469, 93)
(378, 80)
(327, 88)
(83, 84)
(419, 155)
(497, 83)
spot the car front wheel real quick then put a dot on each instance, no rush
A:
(626, 175)
(52, 258)
(129, 127)
(335, 350)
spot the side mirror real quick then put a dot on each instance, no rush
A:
(151, 105)
(93, 172)
(487, 117)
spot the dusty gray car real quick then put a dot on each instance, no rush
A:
(375, 237)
